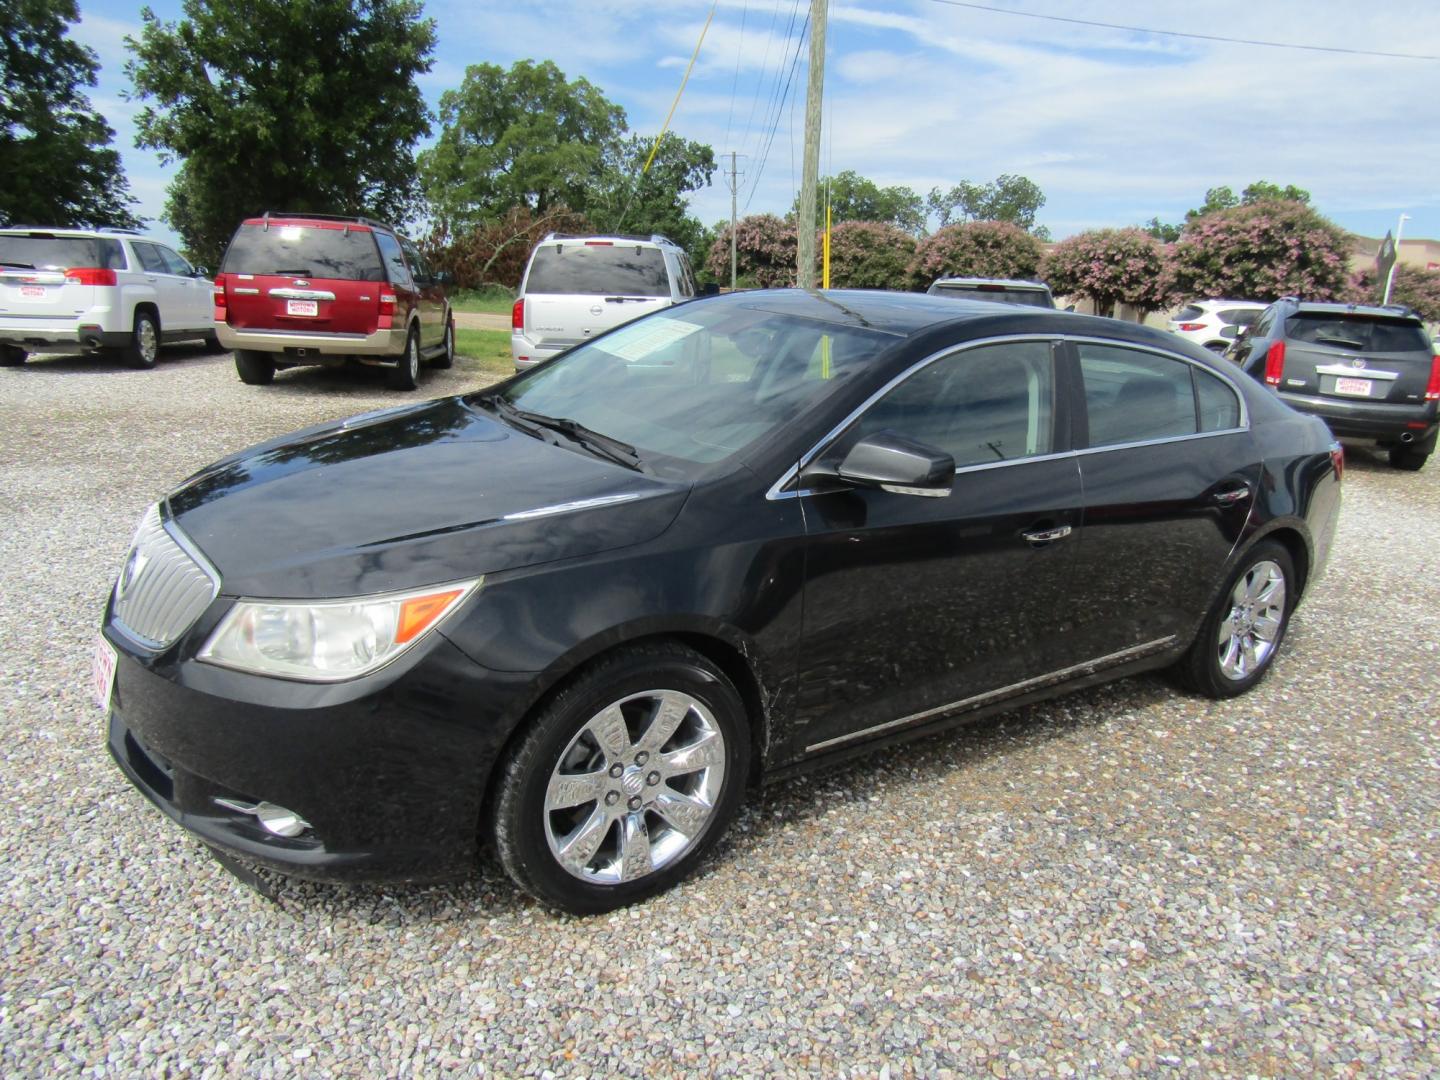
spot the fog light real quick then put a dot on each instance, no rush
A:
(275, 819)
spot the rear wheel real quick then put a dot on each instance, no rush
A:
(144, 347)
(11, 356)
(406, 374)
(254, 368)
(446, 359)
(1408, 458)
(619, 787)
(1238, 641)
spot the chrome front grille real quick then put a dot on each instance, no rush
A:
(162, 588)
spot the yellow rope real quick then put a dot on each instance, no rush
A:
(688, 68)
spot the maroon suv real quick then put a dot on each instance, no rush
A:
(299, 289)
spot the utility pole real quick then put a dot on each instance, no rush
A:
(810, 168)
(733, 196)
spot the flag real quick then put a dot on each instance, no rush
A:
(1385, 257)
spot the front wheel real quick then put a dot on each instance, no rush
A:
(254, 368)
(406, 374)
(619, 787)
(1408, 458)
(1242, 633)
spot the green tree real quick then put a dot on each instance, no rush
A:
(58, 168)
(1016, 199)
(855, 198)
(1223, 198)
(1165, 233)
(522, 137)
(283, 104)
(622, 200)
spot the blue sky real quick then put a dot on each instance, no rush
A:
(1115, 126)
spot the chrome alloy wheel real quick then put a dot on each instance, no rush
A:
(147, 341)
(635, 788)
(1248, 635)
(412, 357)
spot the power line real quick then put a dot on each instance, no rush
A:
(764, 65)
(1183, 34)
(773, 98)
(735, 82)
(779, 111)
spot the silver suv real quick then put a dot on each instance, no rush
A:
(576, 287)
(74, 290)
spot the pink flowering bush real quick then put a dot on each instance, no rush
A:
(867, 255)
(1262, 251)
(995, 249)
(1109, 267)
(765, 253)
(1419, 289)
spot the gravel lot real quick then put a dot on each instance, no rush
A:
(1125, 882)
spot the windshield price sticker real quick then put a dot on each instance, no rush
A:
(644, 339)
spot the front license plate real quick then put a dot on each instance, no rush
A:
(1353, 387)
(302, 307)
(102, 672)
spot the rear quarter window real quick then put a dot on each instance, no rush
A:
(1357, 333)
(594, 270)
(304, 251)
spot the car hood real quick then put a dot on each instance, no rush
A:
(409, 497)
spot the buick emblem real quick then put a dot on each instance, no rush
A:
(134, 567)
(1357, 361)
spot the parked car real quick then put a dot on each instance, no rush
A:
(1214, 324)
(306, 289)
(86, 290)
(1371, 373)
(579, 613)
(1003, 290)
(577, 287)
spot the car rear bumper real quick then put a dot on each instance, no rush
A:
(313, 347)
(527, 353)
(1381, 421)
(59, 335)
(390, 782)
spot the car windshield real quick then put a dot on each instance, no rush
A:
(42, 251)
(693, 385)
(1004, 294)
(1357, 333)
(597, 268)
(304, 251)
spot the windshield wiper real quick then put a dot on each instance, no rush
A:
(621, 453)
(17, 265)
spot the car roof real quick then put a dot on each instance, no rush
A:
(45, 230)
(626, 239)
(1227, 303)
(1370, 310)
(1010, 283)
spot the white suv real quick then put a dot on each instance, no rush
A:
(73, 290)
(1214, 323)
(577, 287)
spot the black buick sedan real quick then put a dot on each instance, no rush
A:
(576, 615)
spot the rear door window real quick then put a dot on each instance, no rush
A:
(304, 251)
(151, 259)
(591, 269)
(1133, 396)
(45, 251)
(1357, 333)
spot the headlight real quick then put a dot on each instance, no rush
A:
(329, 640)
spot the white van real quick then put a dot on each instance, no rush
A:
(576, 287)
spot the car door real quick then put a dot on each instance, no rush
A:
(170, 290)
(431, 295)
(1170, 472)
(397, 270)
(916, 604)
(197, 293)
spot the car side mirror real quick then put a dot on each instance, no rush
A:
(710, 288)
(1069, 307)
(200, 271)
(893, 463)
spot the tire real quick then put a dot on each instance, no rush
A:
(212, 343)
(1408, 458)
(406, 374)
(143, 349)
(11, 356)
(446, 359)
(669, 821)
(254, 368)
(1242, 634)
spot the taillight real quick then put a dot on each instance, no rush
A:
(1275, 363)
(220, 300)
(1191, 327)
(1432, 389)
(90, 275)
(1337, 459)
(517, 315)
(387, 310)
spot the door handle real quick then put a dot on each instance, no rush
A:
(1046, 536)
(1233, 495)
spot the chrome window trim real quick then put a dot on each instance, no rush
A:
(776, 490)
(974, 701)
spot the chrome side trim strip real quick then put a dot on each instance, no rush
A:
(571, 507)
(1003, 692)
(303, 294)
(240, 290)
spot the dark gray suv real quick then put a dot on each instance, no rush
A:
(1369, 372)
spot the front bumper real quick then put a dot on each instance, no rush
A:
(390, 772)
(1381, 421)
(303, 348)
